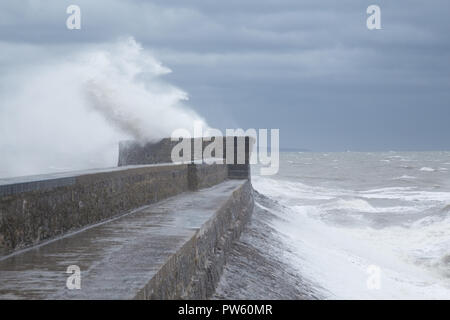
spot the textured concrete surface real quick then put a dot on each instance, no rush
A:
(40, 182)
(259, 264)
(46, 208)
(37, 208)
(206, 175)
(132, 153)
(175, 248)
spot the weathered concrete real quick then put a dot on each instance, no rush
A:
(132, 153)
(37, 208)
(259, 264)
(175, 248)
(204, 175)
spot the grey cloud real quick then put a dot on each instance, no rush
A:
(309, 67)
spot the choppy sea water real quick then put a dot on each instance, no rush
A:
(328, 223)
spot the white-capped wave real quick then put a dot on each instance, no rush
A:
(409, 195)
(404, 177)
(294, 190)
(360, 205)
(339, 260)
(412, 259)
(71, 113)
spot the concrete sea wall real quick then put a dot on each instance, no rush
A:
(174, 243)
(194, 271)
(174, 248)
(132, 153)
(34, 209)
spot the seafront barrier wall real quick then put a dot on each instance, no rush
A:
(132, 153)
(37, 208)
(194, 271)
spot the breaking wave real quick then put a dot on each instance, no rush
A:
(70, 114)
(341, 229)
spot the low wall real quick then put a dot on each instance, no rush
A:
(34, 209)
(132, 153)
(204, 175)
(39, 208)
(195, 270)
(175, 248)
(209, 175)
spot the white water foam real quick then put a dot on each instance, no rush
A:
(404, 177)
(70, 114)
(413, 259)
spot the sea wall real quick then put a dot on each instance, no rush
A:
(204, 175)
(181, 254)
(236, 152)
(174, 248)
(194, 271)
(34, 209)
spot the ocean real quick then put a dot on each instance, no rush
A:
(351, 225)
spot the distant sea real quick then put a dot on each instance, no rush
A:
(328, 223)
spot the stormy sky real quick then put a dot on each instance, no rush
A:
(308, 67)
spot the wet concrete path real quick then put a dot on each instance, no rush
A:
(117, 257)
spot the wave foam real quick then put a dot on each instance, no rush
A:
(70, 114)
(412, 259)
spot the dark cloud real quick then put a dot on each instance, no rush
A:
(310, 68)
